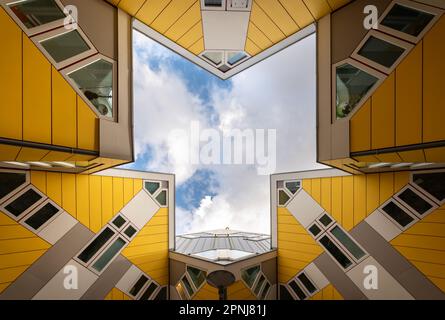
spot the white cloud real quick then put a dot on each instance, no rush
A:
(278, 93)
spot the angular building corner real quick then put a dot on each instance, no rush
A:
(70, 217)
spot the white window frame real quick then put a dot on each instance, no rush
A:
(320, 224)
(248, 8)
(289, 195)
(434, 206)
(343, 247)
(157, 194)
(38, 39)
(106, 245)
(92, 262)
(377, 74)
(293, 293)
(256, 277)
(296, 180)
(225, 58)
(384, 37)
(210, 8)
(190, 278)
(23, 185)
(345, 252)
(184, 290)
(263, 287)
(84, 63)
(48, 222)
(153, 181)
(257, 280)
(322, 230)
(317, 289)
(408, 212)
(145, 287)
(36, 30)
(16, 196)
(135, 297)
(423, 191)
(416, 6)
(127, 222)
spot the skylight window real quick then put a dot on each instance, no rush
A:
(223, 256)
(353, 86)
(34, 13)
(234, 58)
(407, 20)
(95, 81)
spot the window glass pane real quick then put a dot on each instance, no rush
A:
(407, 20)
(352, 85)
(433, 183)
(26, 200)
(259, 285)
(249, 275)
(396, 213)
(162, 294)
(380, 51)
(325, 220)
(315, 230)
(307, 283)
(130, 231)
(198, 276)
(109, 254)
(293, 186)
(224, 68)
(39, 218)
(235, 57)
(10, 181)
(96, 244)
(282, 197)
(213, 3)
(284, 293)
(214, 57)
(335, 252)
(34, 13)
(138, 285)
(119, 221)
(96, 82)
(181, 292)
(415, 201)
(152, 187)
(151, 288)
(298, 291)
(188, 286)
(162, 198)
(265, 291)
(347, 242)
(65, 46)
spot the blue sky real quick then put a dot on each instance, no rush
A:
(171, 92)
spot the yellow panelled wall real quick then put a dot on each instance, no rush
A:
(424, 246)
(237, 291)
(207, 292)
(38, 105)
(116, 294)
(93, 200)
(178, 20)
(149, 250)
(19, 249)
(296, 248)
(408, 107)
(270, 22)
(274, 20)
(328, 293)
(351, 199)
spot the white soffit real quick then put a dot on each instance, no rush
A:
(225, 30)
